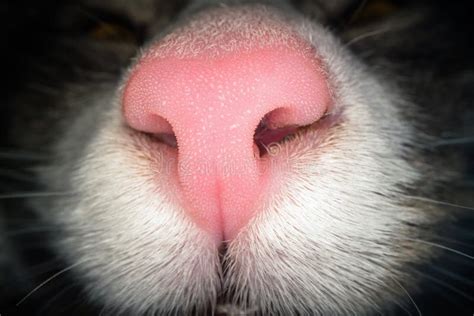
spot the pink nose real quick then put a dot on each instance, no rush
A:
(211, 84)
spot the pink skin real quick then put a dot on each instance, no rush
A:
(213, 105)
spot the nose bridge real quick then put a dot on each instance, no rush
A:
(209, 103)
(213, 110)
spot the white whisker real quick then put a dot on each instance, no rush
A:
(409, 296)
(446, 285)
(424, 199)
(441, 247)
(57, 274)
(20, 195)
(454, 141)
(15, 175)
(55, 297)
(21, 155)
(367, 35)
(31, 230)
(358, 10)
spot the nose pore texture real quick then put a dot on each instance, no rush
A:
(213, 105)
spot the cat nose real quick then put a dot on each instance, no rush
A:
(222, 85)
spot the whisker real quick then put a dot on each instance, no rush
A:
(15, 175)
(52, 299)
(455, 241)
(453, 276)
(31, 230)
(357, 11)
(57, 274)
(103, 310)
(20, 195)
(108, 310)
(25, 220)
(409, 296)
(21, 155)
(424, 199)
(46, 266)
(454, 141)
(458, 252)
(447, 286)
(42, 88)
(367, 35)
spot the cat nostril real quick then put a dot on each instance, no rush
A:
(167, 139)
(160, 129)
(221, 107)
(269, 133)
